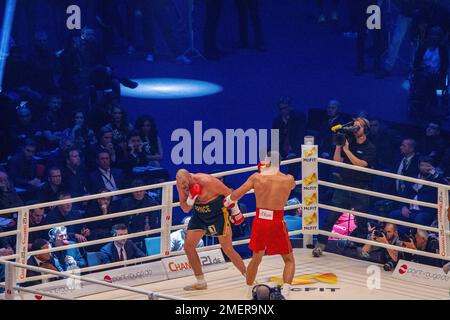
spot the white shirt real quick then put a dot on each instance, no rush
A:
(400, 169)
(108, 180)
(123, 251)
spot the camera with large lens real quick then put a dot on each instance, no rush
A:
(379, 233)
(343, 133)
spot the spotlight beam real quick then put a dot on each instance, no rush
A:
(10, 8)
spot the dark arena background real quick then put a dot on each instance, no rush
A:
(138, 77)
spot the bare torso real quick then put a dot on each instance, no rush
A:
(210, 189)
(272, 191)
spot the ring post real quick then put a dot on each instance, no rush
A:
(443, 207)
(22, 243)
(310, 190)
(10, 281)
(166, 219)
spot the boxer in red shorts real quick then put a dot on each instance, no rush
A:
(269, 232)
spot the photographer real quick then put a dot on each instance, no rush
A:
(359, 151)
(423, 241)
(386, 235)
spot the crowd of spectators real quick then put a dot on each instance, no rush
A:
(70, 136)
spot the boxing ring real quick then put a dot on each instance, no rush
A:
(330, 277)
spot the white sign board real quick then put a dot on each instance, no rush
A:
(178, 266)
(128, 276)
(423, 274)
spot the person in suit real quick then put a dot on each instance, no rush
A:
(101, 228)
(408, 166)
(36, 220)
(414, 213)
(49, 191)
(23, 167)
(105, 177)
(45, 261)
(74, 177)
(249, 9)
(120, 250)
(65, 212)
(71, 258)
(292, 128)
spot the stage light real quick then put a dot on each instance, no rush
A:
(171, 88)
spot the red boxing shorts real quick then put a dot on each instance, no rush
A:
(269, 233)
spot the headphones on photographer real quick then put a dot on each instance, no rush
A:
(54, 231)
(366, 124)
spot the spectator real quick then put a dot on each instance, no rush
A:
(334, 117)
(249, 9)
(152, 143)
(120, 250)
(74, 177)
(50, 190)
(64, 213)
(292, 126)
(56, 157)
(161, 13)
(80, 133)
(105, 177)
(43, 64)
(432, 144)
(37, 217)
(178, 237)
(139, 200)
(135, 155)
(53, 122)
(444, 166)
(414, 213)
(8, 195)
(25, 128)
(69, 259)
(103, 206)
(212, 18)
(23, 167)
(45, 261)
(407, 10)
(376, 49)
(119, 127)
(430, 69)
(383, 139)
(388, 257)
(105, 136)
(423, 241)
(409, 164)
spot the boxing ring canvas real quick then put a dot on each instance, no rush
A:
(351, 282)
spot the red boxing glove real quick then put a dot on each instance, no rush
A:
(236, 215)
(237, 218)
(261, 165)
(194, 192)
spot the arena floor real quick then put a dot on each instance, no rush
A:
(351, 282)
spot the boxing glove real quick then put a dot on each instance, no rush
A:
(237, 217)
(194, 192)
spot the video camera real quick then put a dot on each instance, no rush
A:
(343, 132)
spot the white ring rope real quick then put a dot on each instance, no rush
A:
(169, 205)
